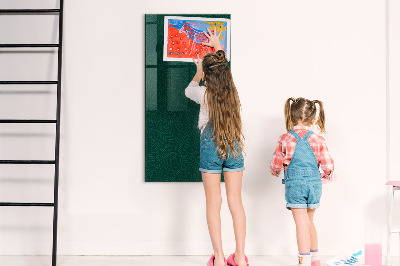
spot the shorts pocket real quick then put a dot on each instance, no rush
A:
(208, 156)
(317, 187)
(293, 191)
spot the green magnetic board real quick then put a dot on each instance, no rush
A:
(172, 139)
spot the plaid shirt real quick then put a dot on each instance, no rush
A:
(287, 144)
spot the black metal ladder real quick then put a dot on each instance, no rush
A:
(57, 82)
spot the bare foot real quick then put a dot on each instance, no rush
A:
(240, 260)
(219, 261)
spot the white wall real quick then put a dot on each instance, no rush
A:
(333, 51)
(394, 110)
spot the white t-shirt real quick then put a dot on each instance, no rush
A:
(197, 93)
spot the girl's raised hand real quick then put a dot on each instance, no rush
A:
(213, 39)
(198, 64)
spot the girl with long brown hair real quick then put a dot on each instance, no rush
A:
(302, 153)
(221, 145)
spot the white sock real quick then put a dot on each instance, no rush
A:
(314, 255)
(305, 260)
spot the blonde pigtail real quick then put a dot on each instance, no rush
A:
(321, 116)
(288, 114)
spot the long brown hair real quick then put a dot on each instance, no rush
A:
(303, 110)
(223, 104)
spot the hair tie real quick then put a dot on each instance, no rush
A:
(219, 64)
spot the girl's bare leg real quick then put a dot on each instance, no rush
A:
(302, 221)
(211, 183)
(313, 230)
(233, 184)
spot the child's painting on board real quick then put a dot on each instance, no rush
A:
(183, 37)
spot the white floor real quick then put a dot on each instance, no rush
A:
(143, 260)
(135, 260)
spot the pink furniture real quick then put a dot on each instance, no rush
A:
(394, 185)
(373, 254)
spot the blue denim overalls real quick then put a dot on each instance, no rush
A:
(302, 181)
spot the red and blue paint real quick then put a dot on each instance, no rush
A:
(185, 38)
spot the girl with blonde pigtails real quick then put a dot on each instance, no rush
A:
(301, 154)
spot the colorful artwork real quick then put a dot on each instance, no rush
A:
(183, 37)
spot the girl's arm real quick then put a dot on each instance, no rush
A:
(327, 163)
(199, 72)
(194, 91)
(277, 159)
(213, 39)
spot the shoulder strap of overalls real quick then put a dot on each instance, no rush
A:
(294, 133)
(309, 133)
(297, 136)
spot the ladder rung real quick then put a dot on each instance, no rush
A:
(27, 161)
(33, 204)
(27, 121)
(33, 45)
(395, 231)
(29, 82)
(6, 11)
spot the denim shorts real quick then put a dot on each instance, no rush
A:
(303, 193)
(210, 160)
